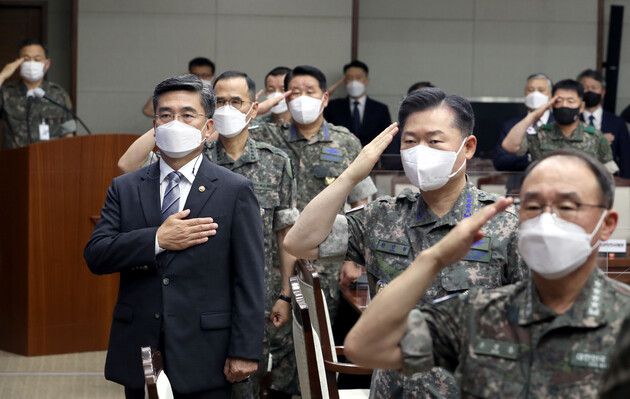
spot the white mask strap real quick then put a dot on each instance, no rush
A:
(463, 163)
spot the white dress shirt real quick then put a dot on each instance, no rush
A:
(188, 172)
(361, 105)
(598, 114)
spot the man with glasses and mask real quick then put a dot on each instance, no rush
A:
(186, 237)
(613, 127)
(319, 152)
(566, 132)
(387, 234)
(26, 117)
(274, 185)
(549, 336)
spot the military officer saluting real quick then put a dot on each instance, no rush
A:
(27, 118)
(387, 234)
(549, 336)
(565, 132)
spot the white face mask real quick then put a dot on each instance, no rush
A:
(229, 122)
(281, 106)
(177, 139)
(428, 168)
(305, 109)
(553, 247)
(535, 100)
(32, 71)
(355, 88)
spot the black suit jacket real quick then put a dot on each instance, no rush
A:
(208, 299)
(621, 145)
(375, 118)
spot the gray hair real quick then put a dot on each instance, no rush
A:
(189, 83)
(539, 76)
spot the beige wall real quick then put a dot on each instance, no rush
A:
(471, 47)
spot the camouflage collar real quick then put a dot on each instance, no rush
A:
(219, 155)
(577, 135)
(322, 135)
(464, 206)
(21, 87)
(587, 311)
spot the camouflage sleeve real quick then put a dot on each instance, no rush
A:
(617, 377)
(604, 152)
(336, 244)
(524, 146)
(68, 125)
(447, 325)
(516, 269)
(363, 190)
(356, 248)
(416, 345)
(286, 213)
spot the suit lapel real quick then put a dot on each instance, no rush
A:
(202, 189)
(149, 193)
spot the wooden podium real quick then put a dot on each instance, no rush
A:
(51, 197)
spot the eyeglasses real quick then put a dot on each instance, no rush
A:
(232, 102)
(188, 117)
(564, 209)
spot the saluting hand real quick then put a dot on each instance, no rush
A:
(9, 68)
(177, 233)
(369, 155)
(265, 106)
(456, 244)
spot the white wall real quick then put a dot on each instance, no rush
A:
(127, 47)
(471, 47)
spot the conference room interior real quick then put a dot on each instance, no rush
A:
(55, 317)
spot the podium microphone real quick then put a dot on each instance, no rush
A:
(38, 92)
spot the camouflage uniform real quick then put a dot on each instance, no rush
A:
(318, 161)
(617, 377)
(270, 171)
(389, 233)
(505, 343)
(261, 119)
(548, 138)
(13, 101)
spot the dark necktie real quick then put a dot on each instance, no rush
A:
(356, 119)
(591, 120)
(170, 204)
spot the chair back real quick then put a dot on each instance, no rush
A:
(157, 385)
(310, 366)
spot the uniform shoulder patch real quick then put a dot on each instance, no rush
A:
(590, 129)
(547, 126)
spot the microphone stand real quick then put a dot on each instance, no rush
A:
(69, 111)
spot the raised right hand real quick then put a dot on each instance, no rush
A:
(9, 68)
(177, 233)
(369, 155)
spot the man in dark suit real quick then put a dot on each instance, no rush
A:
(613, 127)
(186, 237)
(537, 91)
(357, 112)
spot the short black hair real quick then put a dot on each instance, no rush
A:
(308, 71)
(356, 64)
(434, 97)
(569, 84)
(603, 176)
(251, 85)
(419, 85)
(191, 83)
(590, 73)
(277, 71)
(201, 61)
(33, 42)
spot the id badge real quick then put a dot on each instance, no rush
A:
(44, 132)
